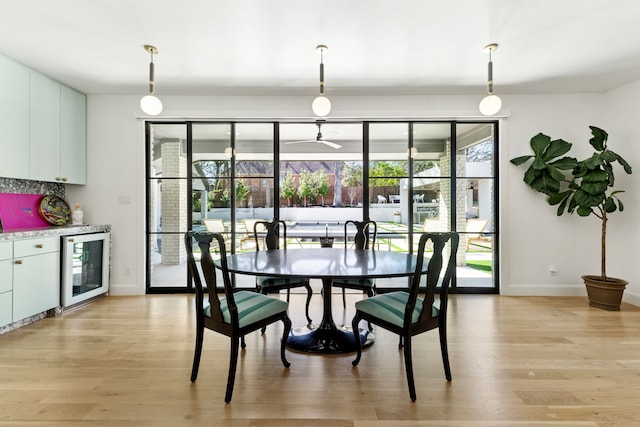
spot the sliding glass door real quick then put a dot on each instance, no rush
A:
(408, 176)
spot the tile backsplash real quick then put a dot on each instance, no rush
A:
(25, 186)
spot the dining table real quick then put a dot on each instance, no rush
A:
(325, 264)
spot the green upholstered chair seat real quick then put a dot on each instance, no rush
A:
(390, 307)
(279, 282)
(252, 307)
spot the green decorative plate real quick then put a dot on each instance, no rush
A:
(54, 210)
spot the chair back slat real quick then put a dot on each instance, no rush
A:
(434, 270)
(272, 237)
(364, 238)
(208, 268)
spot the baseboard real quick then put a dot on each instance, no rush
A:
(631, 297)
(531, 290)
(124, 289)
(543, 290)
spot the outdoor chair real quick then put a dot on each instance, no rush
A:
(403, 313)
(271, 239)
(474, 230)
(248, 231)
(234, 315)
(364, 238)
(382, 199)
(214, 225)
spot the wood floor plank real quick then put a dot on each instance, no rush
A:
(516, 361)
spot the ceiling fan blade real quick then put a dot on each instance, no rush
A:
(298, 142)
(330, 144)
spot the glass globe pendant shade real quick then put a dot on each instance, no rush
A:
(151, 105)
(490, 105)
(321, 106)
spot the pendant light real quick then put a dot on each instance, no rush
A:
(321, 106)
(491, 103)
(150, 104)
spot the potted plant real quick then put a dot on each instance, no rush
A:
(585, 187)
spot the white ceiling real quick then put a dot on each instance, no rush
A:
(256, 47)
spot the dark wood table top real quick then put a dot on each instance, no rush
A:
(323, 263)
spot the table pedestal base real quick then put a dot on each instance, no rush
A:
(331, 340)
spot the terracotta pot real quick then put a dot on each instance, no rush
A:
(606, 295)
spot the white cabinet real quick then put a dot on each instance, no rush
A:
(73, 136)
(6, 283)
(14, 119)
(44, 128)
(36, 276)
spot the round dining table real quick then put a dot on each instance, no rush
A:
(326, 264)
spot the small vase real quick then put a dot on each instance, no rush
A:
(77, 216)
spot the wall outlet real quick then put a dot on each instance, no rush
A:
(552, 270)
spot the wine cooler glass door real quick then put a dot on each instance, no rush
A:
(85, 267)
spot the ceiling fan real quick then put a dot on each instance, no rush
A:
(319, 139)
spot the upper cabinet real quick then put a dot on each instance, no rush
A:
(14, 119)
(44, 127)
(73, 136)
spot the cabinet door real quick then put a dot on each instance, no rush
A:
(44, 128)
(73, 136)
(36, 284)
(6, 312)
(14, 119)
(6, 275)
(6, 285)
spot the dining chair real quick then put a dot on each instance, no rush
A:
(403, 313)
(234, 315)
(364, 238)
(271, 231)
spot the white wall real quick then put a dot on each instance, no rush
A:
(532, 237)
(623, 231)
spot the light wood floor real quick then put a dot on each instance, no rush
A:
(516, 361)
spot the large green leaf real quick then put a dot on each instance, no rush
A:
(594, 188)
(544, 183)
(599, 138)
(539, 143)
(592, 162)
(582, 198)
(520, 160)
(539, 164)
(554, 199)
(562, 205)
(556, 148)
(584, 211)
(556, 174)
(565, 163)
(623, 162)
(610, 205)
(596, 176)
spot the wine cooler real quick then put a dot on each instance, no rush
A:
(85, 267)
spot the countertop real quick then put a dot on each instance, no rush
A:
(53, 231)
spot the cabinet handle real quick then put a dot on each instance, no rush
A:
(64, 179)
(19, 261)
(39, 246)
